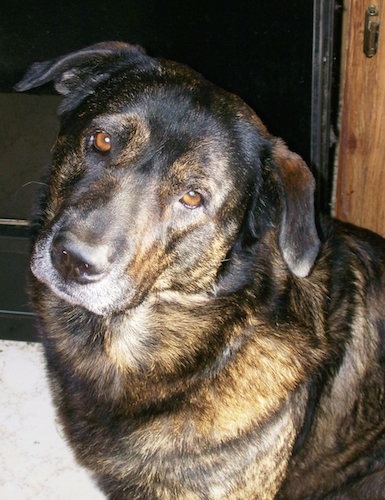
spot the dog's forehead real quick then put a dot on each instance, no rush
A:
(176, 113)
(171, 92)
(181, 98)
(163, 113)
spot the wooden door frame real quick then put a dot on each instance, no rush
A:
(360, 175)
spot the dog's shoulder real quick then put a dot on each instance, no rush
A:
(355, 257)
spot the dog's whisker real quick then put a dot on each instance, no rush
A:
(30, 183)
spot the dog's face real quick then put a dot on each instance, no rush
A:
(157, 177)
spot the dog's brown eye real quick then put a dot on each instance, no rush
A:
(102, 141)
(192, 199)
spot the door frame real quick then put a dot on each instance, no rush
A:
(327, 29)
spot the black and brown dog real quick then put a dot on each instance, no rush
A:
(202, 340)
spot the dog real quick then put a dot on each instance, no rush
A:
(206, 336)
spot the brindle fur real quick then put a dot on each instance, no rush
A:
(227, 351)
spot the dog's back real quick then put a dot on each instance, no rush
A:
(340, 451)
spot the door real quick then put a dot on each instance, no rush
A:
(361, 160)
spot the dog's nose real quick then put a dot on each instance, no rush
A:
(77, 260)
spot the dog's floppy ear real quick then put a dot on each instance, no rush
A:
(298, 238)
(77, 74)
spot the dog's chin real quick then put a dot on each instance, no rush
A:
(102, 304)
(99, 306)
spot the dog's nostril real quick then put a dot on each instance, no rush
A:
(78, 261)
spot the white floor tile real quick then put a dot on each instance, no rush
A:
(35, 461)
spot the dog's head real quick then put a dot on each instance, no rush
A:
(157, 175)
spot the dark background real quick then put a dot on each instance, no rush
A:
(271, 53)
(259, 49)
